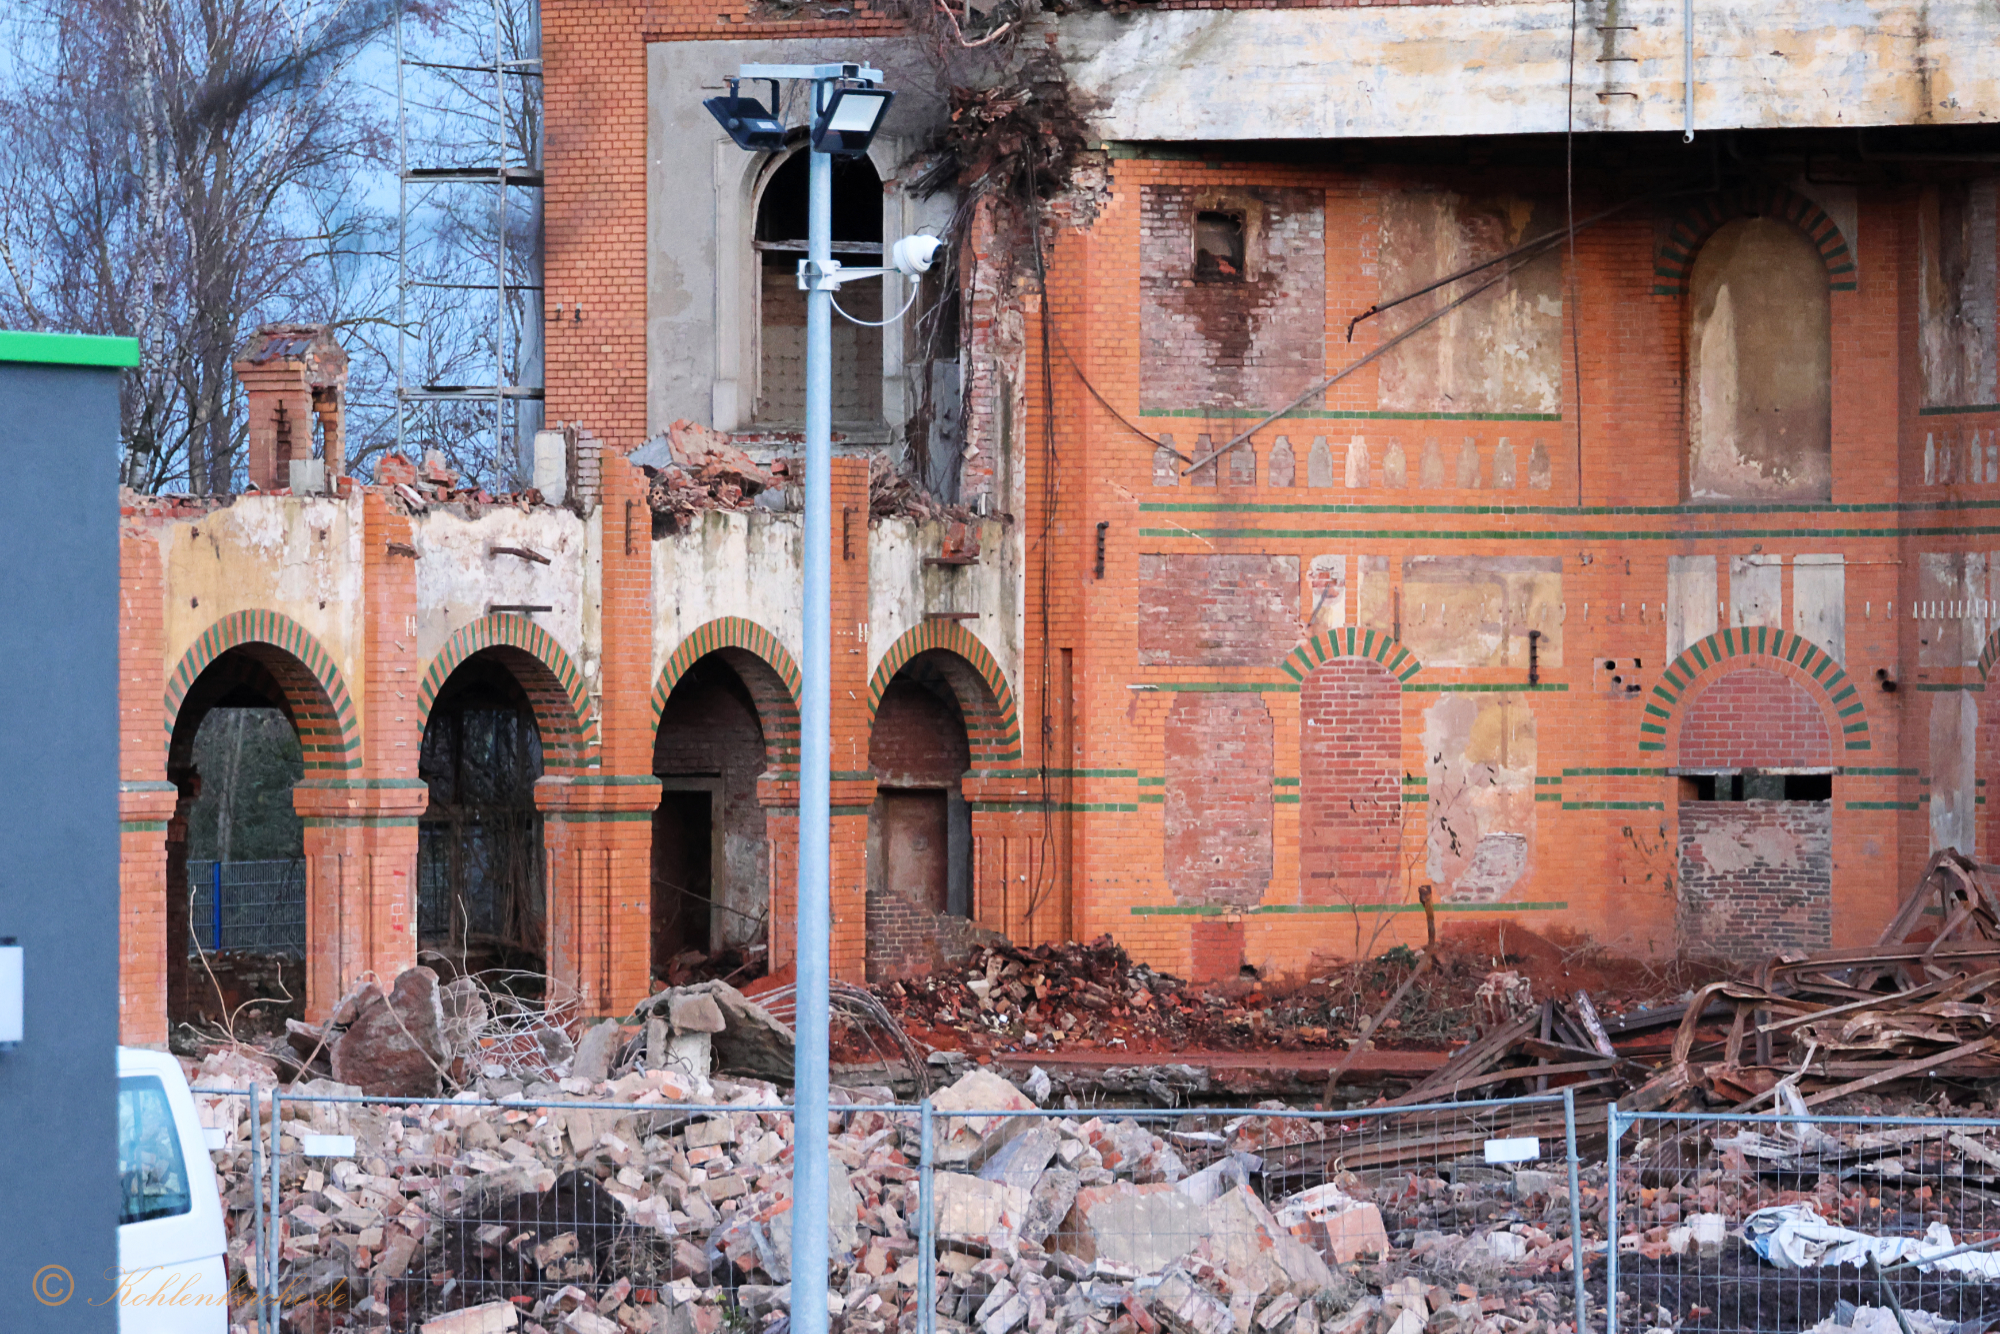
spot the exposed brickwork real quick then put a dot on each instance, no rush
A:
(1231, 341)
(1350, 783)
(918, 739)
(1756, 878)
(1753, 717)
(1217, 611)
(1218, 949)
(1218, 753)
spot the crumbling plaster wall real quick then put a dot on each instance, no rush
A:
(746, 563)
(459, 576)
(298, 555)
(902, 587)
(1394, 70)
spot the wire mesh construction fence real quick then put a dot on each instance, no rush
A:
(255, 907)
(1735, 1222)
(644, 1214)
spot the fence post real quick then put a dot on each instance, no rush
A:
(268, 1296)
(1612, 1131)
(1576, 1256)
(215, 905)
(926, 1226)
(256, 1213)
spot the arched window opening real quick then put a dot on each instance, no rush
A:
(1759, 367)
(481, 898)
(780, 241)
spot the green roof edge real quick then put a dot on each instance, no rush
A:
(54, 349)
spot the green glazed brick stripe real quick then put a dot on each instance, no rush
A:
(1760, 641)
(1352, 642)
(1614, 805)
(577, 731)
(142, 826)
(1955, 411)
(992, 724)
(1673, 257)
(1884, 806)
(727, 632)
(1078, 807)
(321, 707)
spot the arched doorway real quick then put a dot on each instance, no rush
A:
(780, 244)
(711, 870)
(920, 826)
(235, 867)
(1754, 760)
(482, 900)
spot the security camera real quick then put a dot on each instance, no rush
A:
(913, 255)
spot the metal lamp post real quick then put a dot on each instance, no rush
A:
(847, 108)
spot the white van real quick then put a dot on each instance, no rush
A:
(171, 1243)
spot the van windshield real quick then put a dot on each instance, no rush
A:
(152, 1177)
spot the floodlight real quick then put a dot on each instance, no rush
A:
(746, 120)
(848, 123)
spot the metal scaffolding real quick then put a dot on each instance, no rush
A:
(464, 116)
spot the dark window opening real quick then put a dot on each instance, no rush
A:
(780, 237)
(1756, 787)
(1218, 247)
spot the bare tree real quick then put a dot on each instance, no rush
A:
(179, 171)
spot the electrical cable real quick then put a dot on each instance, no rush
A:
(1038, 889)
(915, 287)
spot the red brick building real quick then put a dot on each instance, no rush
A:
(1643, 595)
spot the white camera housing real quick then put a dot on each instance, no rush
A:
(913, 255)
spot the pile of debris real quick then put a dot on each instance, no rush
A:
(894, 493)
(640, 1215)
(437, 482)
(694, 468)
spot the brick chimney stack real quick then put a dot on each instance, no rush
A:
(291, 373)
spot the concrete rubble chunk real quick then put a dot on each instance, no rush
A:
(970, 1140)
(596, 1052)
(1022, 1159)
(393, 1045)
(1333, 1222)
(487, 1318)
(973, 1210)
(1188, 1308)
(695, 1012)
(1245, 1239)
(1142, 1228)
(750, 1041)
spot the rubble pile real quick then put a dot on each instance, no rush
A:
(1058, 995)
(641, 1216)
(694, 468)
(416, 488)
(894, 493)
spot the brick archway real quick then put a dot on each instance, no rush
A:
(1350, 642)
(288, 665)
(1790, 655)
(984, 697)
(1673, 257)
(768, 670)
(549, 676)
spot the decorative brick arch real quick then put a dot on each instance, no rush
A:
(1673, 257)
(984, 697)
(1989, 655)
(550, 677)
(1350, 642)
(1790, 654)
(277, 657)
(768, 672)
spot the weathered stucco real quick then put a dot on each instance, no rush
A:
(1480, 776)
(1502, 354)
(1478, 611)
(745, 563)
(1955, 293)
(1759, 367)
(300, 555)
(901, 587)
(459, 576)
(1331, 73)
